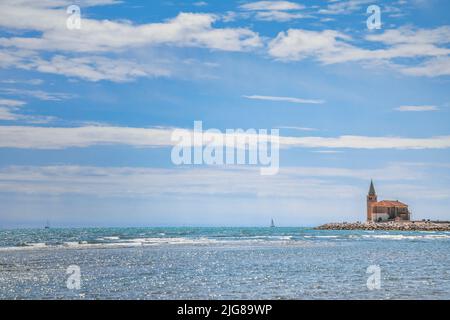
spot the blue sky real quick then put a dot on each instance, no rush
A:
(85, 113)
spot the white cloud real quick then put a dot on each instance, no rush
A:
(12, 58)
(285, 99)
(88, 53)
(432, 68)
(330, 46)
(365, 142)
(279, 16)
(296, 44)
(200, 4)
(60, 138)
(344, 7)
(275, 10)
(38, 94)
(88, 67)
(291, 182)
(271, 6)
(8, 108)
(416, 108)
(391, 172)
(11, 103)
(185, 30)
(7, 114)
(27, 137)
(406, 35)
(22, 14)
(297, 128)
(33, 82)
(96, 68)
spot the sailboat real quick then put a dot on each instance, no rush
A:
(47, 225)
(272, 224)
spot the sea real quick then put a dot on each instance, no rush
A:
(223, 263)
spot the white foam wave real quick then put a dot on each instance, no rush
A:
(325, 237)
(117, 242)
(407, 237)
(143, 242)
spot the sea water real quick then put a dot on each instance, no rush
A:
(223, 263)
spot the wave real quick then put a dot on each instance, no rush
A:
(407, 237)
(117, 242)
(109, 238)
(324, 237)
(298, 239)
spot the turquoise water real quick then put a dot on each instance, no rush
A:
(223, 263)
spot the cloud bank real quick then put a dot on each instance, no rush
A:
(33, 137)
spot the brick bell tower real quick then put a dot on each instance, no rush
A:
(371, 199)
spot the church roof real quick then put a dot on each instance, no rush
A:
(390, 203)
(372, 189)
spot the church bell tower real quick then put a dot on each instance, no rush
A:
(371, 199)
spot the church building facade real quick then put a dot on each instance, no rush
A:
(385, 210)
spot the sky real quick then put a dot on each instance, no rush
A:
(86, 114)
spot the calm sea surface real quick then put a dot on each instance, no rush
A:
(223, 263)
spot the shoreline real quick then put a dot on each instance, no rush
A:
(388, 226)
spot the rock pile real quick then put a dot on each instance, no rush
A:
(391, 225)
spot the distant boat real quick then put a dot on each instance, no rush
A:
(47, 225)
(272, 224)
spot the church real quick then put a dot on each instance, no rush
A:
(385, 210)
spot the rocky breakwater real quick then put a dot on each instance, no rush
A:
(391, 225)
